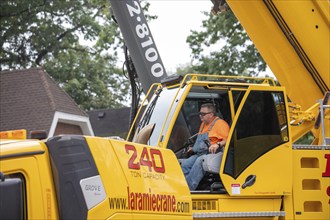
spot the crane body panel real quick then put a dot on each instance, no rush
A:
(262, 174)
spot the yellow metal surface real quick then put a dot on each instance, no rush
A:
(13, 147)
(207, 79)
(311, 184)
(309, 23)
(40, 200)
(225, 203)
(144, 180)
(156, 189)
(267, 169)
(246, 204)
(302, 121)
(276, 50)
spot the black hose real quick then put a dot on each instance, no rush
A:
(135, 96)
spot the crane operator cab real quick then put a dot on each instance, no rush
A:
(189, 122)
(255, 110)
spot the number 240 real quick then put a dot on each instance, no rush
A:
(146, 159)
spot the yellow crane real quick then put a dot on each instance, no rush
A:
(262, 173)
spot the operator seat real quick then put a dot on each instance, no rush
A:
(211, 166)
(211, 162)
(211, 179)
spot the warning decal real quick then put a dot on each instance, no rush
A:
(235, 189)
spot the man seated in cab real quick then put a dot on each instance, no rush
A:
(211, 139)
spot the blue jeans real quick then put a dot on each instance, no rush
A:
(196, 173)
(193, 167)
(188, 166)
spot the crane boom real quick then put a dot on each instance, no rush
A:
(293, 38)
(139, 40)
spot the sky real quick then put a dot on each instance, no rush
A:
(176, 18)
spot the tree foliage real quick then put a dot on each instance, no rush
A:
(231, 51)
(93, 81)
(75, 41)
(34, 31)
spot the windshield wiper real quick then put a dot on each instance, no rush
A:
(146, 118)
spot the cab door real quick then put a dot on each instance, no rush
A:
(257, 157)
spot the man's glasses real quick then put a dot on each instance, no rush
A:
(204, 113)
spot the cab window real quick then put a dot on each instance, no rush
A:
(261, 126)
(188, 121)
(156, 113)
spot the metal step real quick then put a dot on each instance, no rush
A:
(310, 147)
(238, 214)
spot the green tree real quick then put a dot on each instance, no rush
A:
(93, 81)
(34, 31)
(75, 41)
(231, 50)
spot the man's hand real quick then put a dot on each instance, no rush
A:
(213, 148)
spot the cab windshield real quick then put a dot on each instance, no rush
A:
(156, 112)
